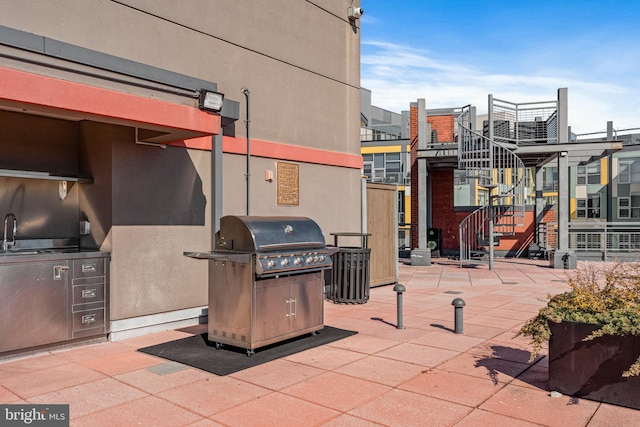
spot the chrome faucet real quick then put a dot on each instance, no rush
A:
(9, 218)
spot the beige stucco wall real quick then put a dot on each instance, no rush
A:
(301, 64)
(324, 193)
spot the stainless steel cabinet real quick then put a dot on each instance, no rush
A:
(297, 310)
(89, 311)
(33, 304)
(46, 301)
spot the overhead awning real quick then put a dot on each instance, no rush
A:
(157, 121)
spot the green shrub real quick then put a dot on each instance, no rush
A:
(602, 294)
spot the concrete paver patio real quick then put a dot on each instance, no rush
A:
(422, 375)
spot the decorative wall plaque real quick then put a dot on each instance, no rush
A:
(288, 178)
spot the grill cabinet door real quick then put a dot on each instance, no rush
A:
(307, 302)
(288, 306)
(273, 309)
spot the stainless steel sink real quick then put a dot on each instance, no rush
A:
(20, 252)
(16, 252)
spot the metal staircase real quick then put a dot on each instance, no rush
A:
(499, 176)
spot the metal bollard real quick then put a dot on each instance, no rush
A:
(458, 303)
(399, 289)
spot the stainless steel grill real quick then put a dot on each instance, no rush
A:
(265, 280)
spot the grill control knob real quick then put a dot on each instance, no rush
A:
(284, 262)
(297, 261)
(309, 260)
(321, 258)
(315, 259)
(271, 263)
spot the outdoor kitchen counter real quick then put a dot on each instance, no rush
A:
(52, 296)
(29, 255)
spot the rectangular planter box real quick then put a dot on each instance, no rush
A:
(593, 369)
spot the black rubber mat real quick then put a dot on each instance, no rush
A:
(198, 352)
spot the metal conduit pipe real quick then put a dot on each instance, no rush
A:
(171, 89)
(247, 94)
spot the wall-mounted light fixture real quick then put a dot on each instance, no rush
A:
(564, 154)
(210, 101)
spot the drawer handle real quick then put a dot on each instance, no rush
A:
(88, 268)
(88, 293)
(88, 318)
(57, 271)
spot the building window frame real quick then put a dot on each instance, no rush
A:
(634, 205)
(624, 172)
(589, 174)
(384, 167)
(629, 171)
(590, 207)
(624, 207)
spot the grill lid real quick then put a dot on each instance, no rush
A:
(268, 233)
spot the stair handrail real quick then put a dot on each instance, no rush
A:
(478, 154)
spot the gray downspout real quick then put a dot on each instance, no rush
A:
(216, 185)
(247, 94)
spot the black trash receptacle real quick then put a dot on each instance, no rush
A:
(350, 278)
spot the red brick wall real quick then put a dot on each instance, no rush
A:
(413, 137)
(444, 125)
(442, 212)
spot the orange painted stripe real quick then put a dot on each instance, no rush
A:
(19, 86)
(22, 87)
(278, 151)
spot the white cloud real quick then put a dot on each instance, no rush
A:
(398, 75)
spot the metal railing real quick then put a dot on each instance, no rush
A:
(400, 178)
(605, 240)
(522, 123)
(501, 172)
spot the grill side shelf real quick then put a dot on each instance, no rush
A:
(227, 255)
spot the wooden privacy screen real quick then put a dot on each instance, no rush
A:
(382, 223)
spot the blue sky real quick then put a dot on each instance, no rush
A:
(455, 53)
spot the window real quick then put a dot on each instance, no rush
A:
(624, 172)
(589, 174)
(635, 206)
(383, 167)
(367, 167)
(459, 177)
(629, 171)
(393, 168)
(629, 207)
(550, 178)
(401, 207)
(483, 197)
(623, 207)
(589, 207)
(527, 177)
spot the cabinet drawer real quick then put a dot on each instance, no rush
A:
(88, 267)
(88, 319)
(88, 291)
